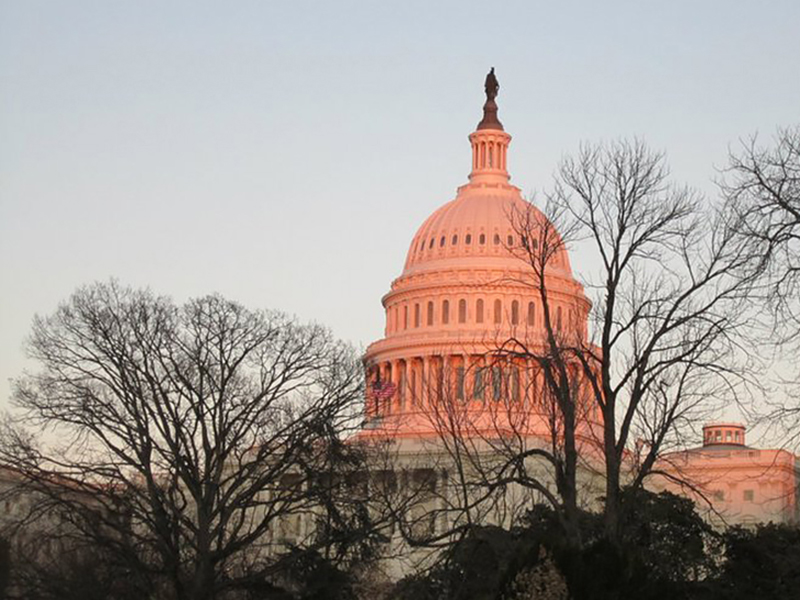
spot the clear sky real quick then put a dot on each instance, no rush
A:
(284, 153)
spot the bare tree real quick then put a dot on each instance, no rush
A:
(762, 186)
(210, 439)
(664, 350)
(667, 315)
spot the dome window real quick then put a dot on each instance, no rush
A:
(455, 240)
(514, 312)
(468, 239)
(430, 313)
(496, 239)
(531, 313)
(482, 239)
(462, 311)
(405, 317)
(510, 241)
(479, 311)
(441, 242)
(445, 312)
(416, 315)
(498, 312)
(431, 244)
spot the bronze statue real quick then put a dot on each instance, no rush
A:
(491, 85)
(490, 120)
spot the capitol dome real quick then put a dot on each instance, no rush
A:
(468, 286)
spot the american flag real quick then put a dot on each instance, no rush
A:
(382, 390)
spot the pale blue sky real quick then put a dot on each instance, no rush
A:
(284, 153)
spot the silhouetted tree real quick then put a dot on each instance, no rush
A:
(668, 312)
(663, 351)
(762, 184)
(200, 447)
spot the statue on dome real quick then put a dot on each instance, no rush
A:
(491, 85)
(490, 120)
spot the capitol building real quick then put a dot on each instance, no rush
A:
(479, 406)
(455, 386)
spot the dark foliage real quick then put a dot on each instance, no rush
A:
(761, 563)
(479, 567)
(666, 553)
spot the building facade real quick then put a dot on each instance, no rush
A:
(732, 483)
(464, 291)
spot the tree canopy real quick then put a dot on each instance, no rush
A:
(200, 446)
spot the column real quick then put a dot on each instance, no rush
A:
(425, 395)
(467, 387)
(395, 399)
(414, 382)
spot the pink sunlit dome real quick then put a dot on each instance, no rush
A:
(466, 286)
(478, 229)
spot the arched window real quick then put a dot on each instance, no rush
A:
(416, 315)
(441, 242)
(421, 245)
(462, 311)
(479, 311)
(430, 313)
(531, 313)
(468, 239)
(496, 239)
(455, 240)
(405, 317)
(498, 312)
(431, 244)
(510, 240)
(445, 312)
(558, 318)
(482, 239)
(514, 312)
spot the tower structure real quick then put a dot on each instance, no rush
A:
(466, 289)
